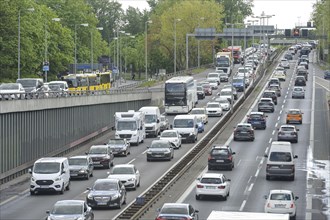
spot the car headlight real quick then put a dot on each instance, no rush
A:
(58, 178)
(134, 134)
(33, 179)
(131, 179)
(148, 152)
(167, 151)
(115, 196)
(33, 90)
(89, 196)
(82, 171)
(191, 134)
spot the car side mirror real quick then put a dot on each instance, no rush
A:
(30, 170)
(86, 153)
(48, 212)
(158, 210)
(233, 153)
(196, 211)
(295, 156)
(296, 197)
(297, 129)
(266, 155)
(88, 188)
(180, 136)
(228, 180)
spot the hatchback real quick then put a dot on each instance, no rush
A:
(270, 94)
(281, 202)
(221, 157)
(300, 81)
(244, 131)
(212, 184)
(266, 105)
(298, 92)
(177, 211)
(70, 209)
(288, 133)
(81, 167)
(294, 116)
(257, 120)
(275, 88)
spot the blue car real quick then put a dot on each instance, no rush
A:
(200, 124)
(327, 74)
(257, 120)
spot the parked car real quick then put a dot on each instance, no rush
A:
(300, 81)
(294, 116)
(164, 124)
(266, 105)
(101, 155)
(128, 174)
(12, 91)
(298, 92)
(172, 136)
(119, 146)
(212, 184)
(81, 166)
(160, 150)
(214, 109)
(244, 131)
(107, 193)
(221, 157)
(70, 209)
(177, 211)
(281, 202)
(257, 120)
(202, 112)
(288, 133)
(200, 92)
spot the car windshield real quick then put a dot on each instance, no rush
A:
(273, 87)
(212, 106)
(255, 116)
(77, 161)
(223, 101)
(183, 123)
(174, 210)
(105, 186)
(199, 120)
(211, 180)
(54, 87)
(9, 87)
(27, 82)
(46, 167)
(116, 142)
(223, 75)
(61, 85)
(225, 93)
(280, 156)
(98, 150)
(280, 196)
(197, 111)
(67, 209)
(213, 75)
(199, 88)
(150, 118)
(243, 128)
(238, 80)
(242, 70)
(126, 125)
(168, 134)
(122, 170)
(159, 145)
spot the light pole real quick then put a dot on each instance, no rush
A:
(125, 47)
(174, 61)
(198, 43)
(19, 42)
(129, 36)
(120, 55)
(146, 47)
(267, 17)
(75, 45)
(92, 48)
(253, 30)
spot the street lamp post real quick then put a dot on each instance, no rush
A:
(253, 29)
(120, 55)
(129, 36)
(19, 42)
(146, 47)
(92, 48)
(198, 44)
(174, 61)
(75, 45)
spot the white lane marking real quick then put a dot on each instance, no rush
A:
(251, 186)
(239, 162)
(242, 206)
(287, 92)
(282, 106)
(131, 161)
(266, 151)
(270, 140)
(281, 112)
(276, 125)
(144, 152)
(278, 118)
(262, 161)
(284, 101)
(323, 86)
(257, 173)
(250, 179)
(285, 97)
(14, 197)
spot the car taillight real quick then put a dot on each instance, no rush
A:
(200, 186)
(230, 158)
(251, 131)
(280, 132)
(292, 205)
(221, 187)
(210, 157)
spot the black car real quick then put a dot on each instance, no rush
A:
(257, 120)
(270, 94)
(244, 131)
(160, 150)
(300, 81)
(200, 92)
(107, 193)
(70, 209)
(119, 147)
(302, 72)
(327, 74)
(221, 157)
(81, 167)
(288, 56)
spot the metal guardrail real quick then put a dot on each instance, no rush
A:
(136, 210)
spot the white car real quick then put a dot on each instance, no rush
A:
(172, 136)
(226, 93)
(202, 112)
(213, 83)
(212, 184)
(280, 75)
(281, 202)
(12, 91)
(127, 174)
(246, 70)
(214, 109)
(225, 104)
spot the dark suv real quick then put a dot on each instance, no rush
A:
(300, 81)
(221, 157)
(244, 131)
(266, 105)
(257, 120)
(270, 94)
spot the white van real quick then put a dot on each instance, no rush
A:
(280, 161)
(50, 174)
(151, 120)
(187, 127)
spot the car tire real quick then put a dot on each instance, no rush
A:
(109, 165)
(62, 190)
(91, 174)
(230, 168)
(92, 216)
(124, 202)
(292, 178)
(138, 184)
(198, 197)
(87, 176)
(67, 188)
(287, 121)
(235, 139)
(267, 177)
(32, 193)
(224, 198)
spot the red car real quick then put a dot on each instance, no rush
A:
(207, 89)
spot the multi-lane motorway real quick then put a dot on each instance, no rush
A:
(248, 185)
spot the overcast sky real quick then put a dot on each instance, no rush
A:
(288, 13)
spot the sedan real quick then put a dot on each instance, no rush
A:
(70, 209)
(160, 150)
(107, 193)
(280, 75)
(202, 112)
(119, 147)
(177, 211)
(12, 91)
(214, 109)
(288, 133)
(81, 167)
(281, 202)
(298, 92)
(172, 136)
(212, 184)
(127, 174)
(224, 103)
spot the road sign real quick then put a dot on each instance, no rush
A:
(45, 68)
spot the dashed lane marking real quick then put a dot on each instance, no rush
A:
(270, 140)
(242, 206)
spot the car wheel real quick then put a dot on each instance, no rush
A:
(124, 202)
(138, 184)
(292, 178)
(91, 174)
(32, 193)
(87, 176)
(235, 139)
(198, 197)
(230, 168)
(68, 186)
(109, 165)
(225, 198)
(267, 177)
(300, 122)
(119, 205)
(92, 216)
(62, 189)
(287, 121)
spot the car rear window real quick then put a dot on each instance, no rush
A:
(243, 128)
(255, 116)
(280, 196)
(294, 112)
(211, 180)
(174, 210)
(280, 157)
(287, 129)
(219, 152)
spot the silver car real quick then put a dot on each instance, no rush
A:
(288, 133)
(70, 209)
(298, 92)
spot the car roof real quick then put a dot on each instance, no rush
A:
(175, 205)
(212, 175)
(51, 159)
(124, 165)
(288, 126)
(220, 147)
(185, 117)
(294, 109)
(257, 113)
(159, 141)
(266, 99)
(267, 90)
(70, 202)
(97, 146)
(107, 180)
(167, 131)
(212, 103)
(243, 124)
(80, 157)
(280, 191)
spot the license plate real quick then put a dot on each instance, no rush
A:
(101, 203)
(257, 122)
(157, 155)
(279, 205)
(275, 167)
(44, 187)
(96, 162)
(220, 160)
(74, 174)
(244, 132)
(209, 187)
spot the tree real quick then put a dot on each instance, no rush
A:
(236, 10)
